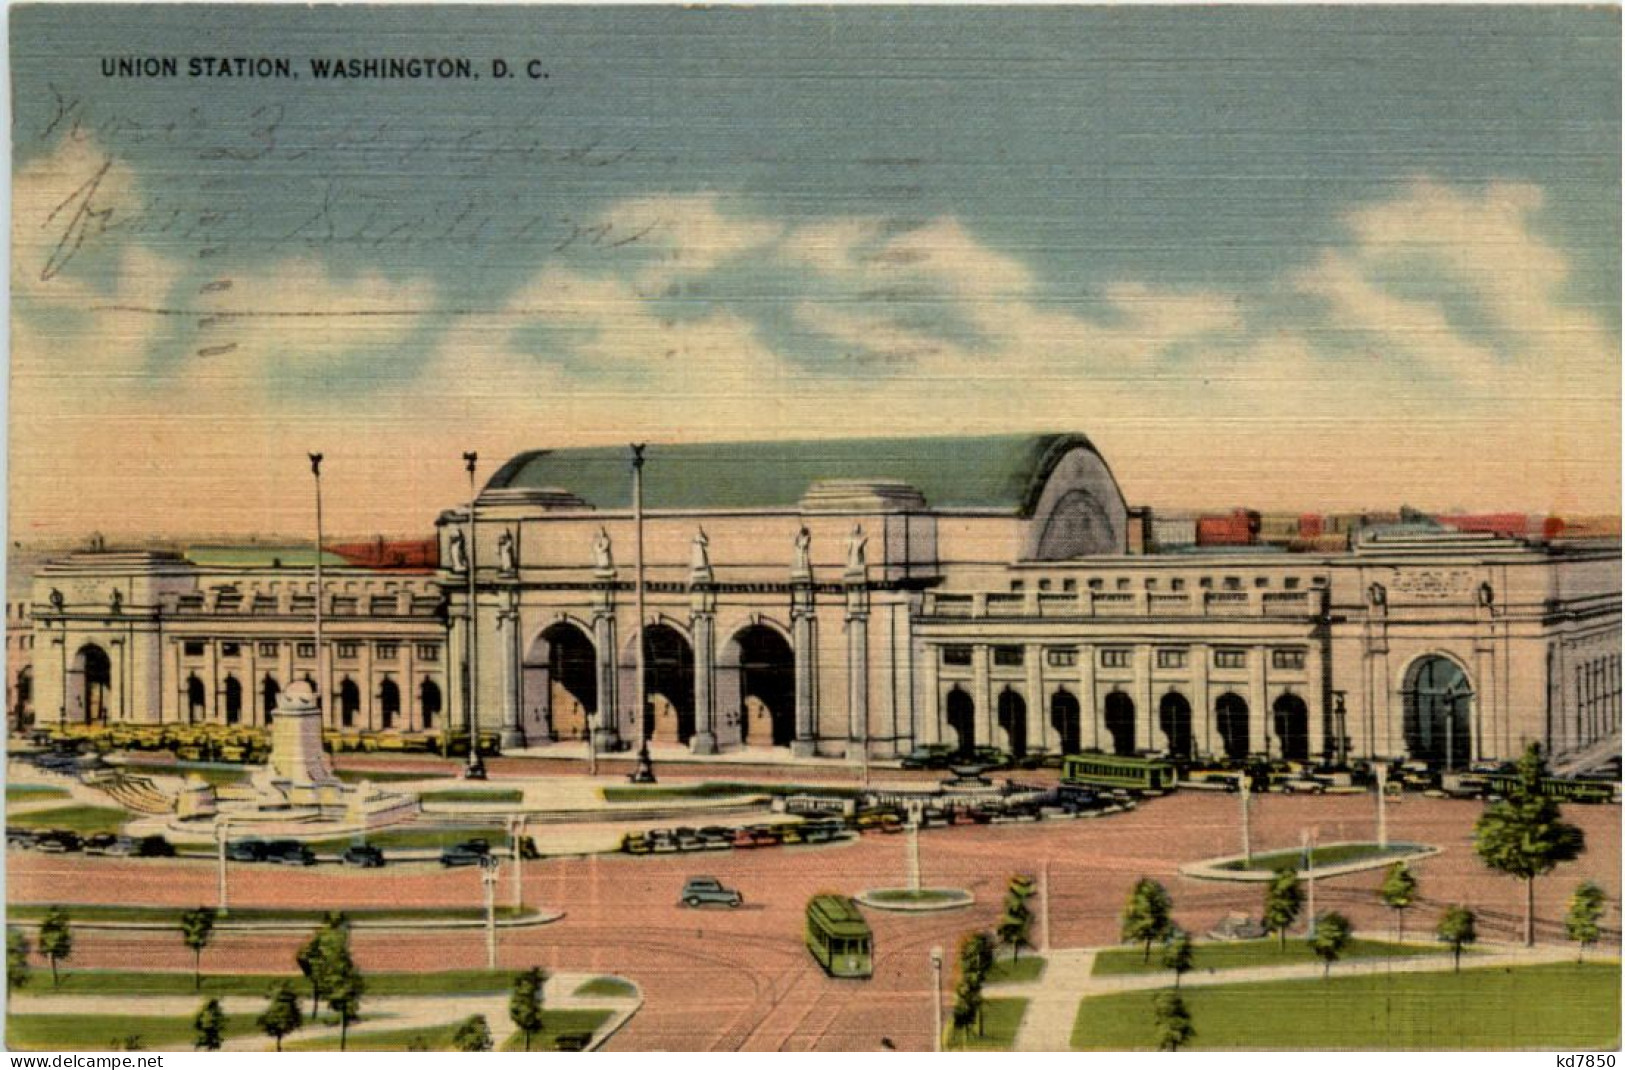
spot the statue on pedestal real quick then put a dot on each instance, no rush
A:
(856, 552)
(801, 569)
(458, 552)
(602, 559)
(505, 552)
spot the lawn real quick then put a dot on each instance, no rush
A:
(473, 795)
(1221, 955)
(1000, 1020)
(924, 895)
(80, 819)
(1542, 1008)
(87, 1032)
(1021, 971)
(120, 982)
(554, 1023)
(34, 792)
(1320, 857)
(607, 986)
(437, 837)
(428, 1038)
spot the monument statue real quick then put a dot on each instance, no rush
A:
(856, 549)
(602, 559)
(505, 553)
(700, 559)
(802, 567)
(459, 553)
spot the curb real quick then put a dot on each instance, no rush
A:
(1213, 869)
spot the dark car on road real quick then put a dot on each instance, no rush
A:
(154, 847)
(246, 850)
(702, 891)
(58, 841)
(467, 853)
(289, 853)
(21, 837)
(364, 855)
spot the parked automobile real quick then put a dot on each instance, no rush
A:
(154, 847)
(363, 855)
(687, 839)
(21, 837)
(635, 843)
(289, 853)
(789, 832)
(1301, 785)
(716, 838)
(246, 850)
(703, 891)
(754, 836)
(467, 853)
(58, 841)
(110, 844)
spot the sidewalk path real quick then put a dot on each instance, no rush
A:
(1068, 978)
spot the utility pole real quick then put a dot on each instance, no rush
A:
(321, 651)
(645, 772)
(1382, 805)
(475, 770)
(490, 869)
(1043, 901)
(516, 836)
(1246, 819)
(936, 999)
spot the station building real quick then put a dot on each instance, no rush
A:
(870, 595)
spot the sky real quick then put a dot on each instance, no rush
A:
(1293, 258)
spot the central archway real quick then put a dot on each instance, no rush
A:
(89, 683)
(234, 699)
(756, 682)
(1230, 711)
(560, 683)
(349, 702)
(1120, 722)
(1438, 712)
(961, 710)
(270, 695)
(1174, 714)
(668, 675)
(389, 704)
(428, 702)
(1292, 727)
(1013, 720)
(1067, 719)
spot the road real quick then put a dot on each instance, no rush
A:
(719, 979)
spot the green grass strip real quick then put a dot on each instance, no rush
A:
(1000, 1020)
(1220, 955)
(92, 1032)
(81, 819)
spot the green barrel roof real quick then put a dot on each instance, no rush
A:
(999, 472)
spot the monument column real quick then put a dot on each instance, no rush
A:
(605, 725)
(803, 639)
(513, 730)
(857, 642)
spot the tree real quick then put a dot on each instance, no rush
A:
(1177, 954)
(1174, 1029)
(1148, 915)
(975, 960)
(197, 929)
(967, 1007)
(209, 1027)
(1585, 911)
(56, 939)
(1523, 835)
(282, 1015)
(1330, 938)
(318, 955)
(473, 1035)
(1458, 927)
(525, 1005)
(1398, 893)
(1016, 926)
(1283, 899)
(16, 959)
(345, 987)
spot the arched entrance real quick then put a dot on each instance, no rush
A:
(1230, 711)
(668, 674)
(1012, 713)
(560, 683)
(90, 681)
(1174, 715)
(1067, 720)
(270, 695)
(961, 710)
(389, 704)
(756, 682)
(24, 695)
(194, 699)
(1120, 722)
(234, 699)
(428, 703)
(1438, 712)
(349, 702)
(1292, 727)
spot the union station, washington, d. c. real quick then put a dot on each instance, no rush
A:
(824, 597)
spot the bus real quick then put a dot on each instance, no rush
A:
(1569, 790)
(838, 937)
(1113, 771)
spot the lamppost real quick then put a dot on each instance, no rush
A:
(475, 770)
(1246, 794)
(220, 833)
(592, 746)
(936, 999)
(645, 771)
(490, 870)
(516, 835)
(321, 676)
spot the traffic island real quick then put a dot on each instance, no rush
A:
(1325, 860)
(915, 900)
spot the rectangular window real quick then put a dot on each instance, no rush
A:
(1007, 655)
(1170, 659)
(956, 655)
(230, 650)
(193, 648)
(1287, 659)
(1150, 583)
(1017, 585)
(1229, 659)
(306, 650)
(428, 652)
(1116, 658)
(1061, 659)
(1232, 583)
(1292, 583)
(1206, 583)
(268, 650)
(1069, 585)
(347, 650)
(1094, 585)
(1178, 585)
(1122, 584)
(1043, 585)
(387, 651)
(1261, 581)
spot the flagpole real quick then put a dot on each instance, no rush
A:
(475, 770)
(321, 674)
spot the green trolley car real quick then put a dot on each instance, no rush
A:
(838, 937)
(1118, 771)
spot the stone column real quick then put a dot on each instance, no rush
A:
(1258, 721)
(1145, 700)
(986, 718)
(1315, 696)
(1201, 699)
(606, 734)
(1038, 726)
(929, 730)
(804, 639)
(857, 663)
(702, 627)
(513, 729)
